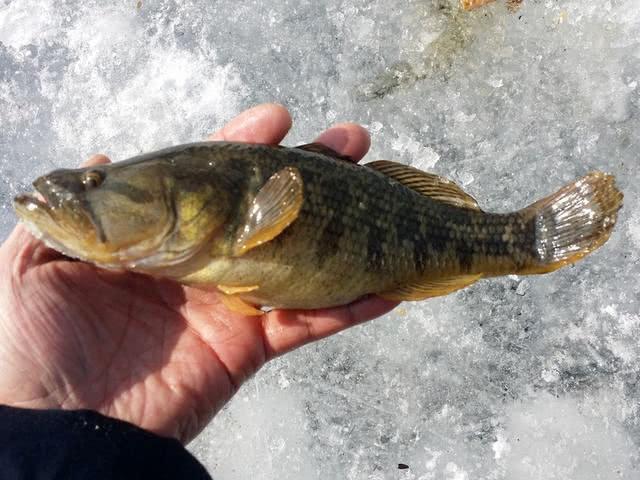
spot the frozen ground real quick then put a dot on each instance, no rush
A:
(513, 378)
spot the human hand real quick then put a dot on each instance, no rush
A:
(152, 352)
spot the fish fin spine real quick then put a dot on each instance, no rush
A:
(430, 288)
(427, 184)
(574, 221)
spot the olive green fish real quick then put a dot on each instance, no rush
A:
(303, 227)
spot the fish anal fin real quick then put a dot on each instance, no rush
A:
(430, 288)
(237, 305)
(323, 150)
(549, 267)
(427, 184)
(274, 208)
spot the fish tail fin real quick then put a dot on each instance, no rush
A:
(574, 221)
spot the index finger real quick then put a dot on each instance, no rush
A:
(266, 123)
(348, 139)
(286, 330)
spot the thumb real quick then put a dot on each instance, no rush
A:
(97, 159)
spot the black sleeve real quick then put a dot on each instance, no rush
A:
(81, 444)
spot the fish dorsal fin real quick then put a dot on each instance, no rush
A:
(430, 288)
(427, 184)
(273, 209)
(323, 150)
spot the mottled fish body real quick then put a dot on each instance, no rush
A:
(303, 228)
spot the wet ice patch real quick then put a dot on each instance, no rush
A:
(110, 79)
(26, 22)
(564, 439)
(139, 93)
(422, 156)
(634, 229)
(171, 97)
(251, 436)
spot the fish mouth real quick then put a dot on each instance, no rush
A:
(35, 213)
(39, 204)
(43, 198)
(62, 219)
(30, 202)
(49, 213)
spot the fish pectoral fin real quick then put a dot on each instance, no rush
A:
(426, 184)
(274, 208)
(232, 290)
(430, 288)
(237, 305)
(323, 150)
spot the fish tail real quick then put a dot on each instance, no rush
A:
(574, 221)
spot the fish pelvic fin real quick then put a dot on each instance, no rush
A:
(274, 208)
(574, 221)
(427, 184)
(232, 290)
(238, 305)
(430, 288)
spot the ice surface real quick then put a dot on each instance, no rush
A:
(509, 379)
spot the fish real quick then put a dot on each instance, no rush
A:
(303, 227)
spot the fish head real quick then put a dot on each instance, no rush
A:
(117, 215)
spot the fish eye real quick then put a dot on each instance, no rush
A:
(92, 179)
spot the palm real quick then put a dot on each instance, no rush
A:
(131, 346)
(160, 355)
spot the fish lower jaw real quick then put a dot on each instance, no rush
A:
(142, 264)
(53, 244)
(49, 241)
